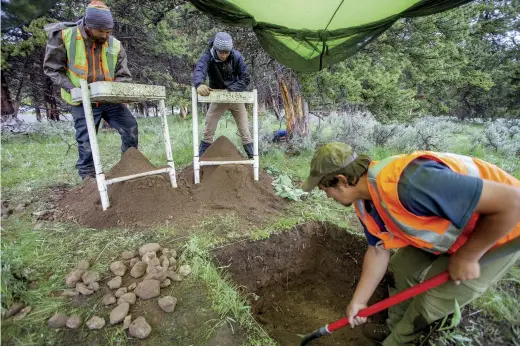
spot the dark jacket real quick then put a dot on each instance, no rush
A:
(231, 74)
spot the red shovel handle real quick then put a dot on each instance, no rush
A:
(395, 299)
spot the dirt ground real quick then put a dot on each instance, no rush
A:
(301, 280)
(151, 201)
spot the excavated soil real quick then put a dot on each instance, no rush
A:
(151, 201)
(301, 280)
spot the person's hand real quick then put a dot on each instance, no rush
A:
(203, 90)
(352, 310)
(462, 269)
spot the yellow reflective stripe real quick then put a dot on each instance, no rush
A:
(72, 63)
(375, 169)
(112, 52)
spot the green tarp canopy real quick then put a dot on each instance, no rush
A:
(308, 35)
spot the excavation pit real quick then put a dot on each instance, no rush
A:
(301, 280)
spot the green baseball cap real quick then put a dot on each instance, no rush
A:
(328, 159)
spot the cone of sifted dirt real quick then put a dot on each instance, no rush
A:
(151, 201)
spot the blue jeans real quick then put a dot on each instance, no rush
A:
(118, 116)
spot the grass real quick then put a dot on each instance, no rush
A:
(35, 261)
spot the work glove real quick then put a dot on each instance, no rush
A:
(203, 90)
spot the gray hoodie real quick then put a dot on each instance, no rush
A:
(55, 61)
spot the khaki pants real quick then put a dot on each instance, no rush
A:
(410, 266)
(238, 111)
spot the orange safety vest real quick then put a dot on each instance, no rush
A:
(430, 233)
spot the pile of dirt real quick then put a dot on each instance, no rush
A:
(302, 280)
(151, 201)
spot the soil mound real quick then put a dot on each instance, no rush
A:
(151, 201)
(132, 162)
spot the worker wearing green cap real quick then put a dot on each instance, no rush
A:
(440, 210)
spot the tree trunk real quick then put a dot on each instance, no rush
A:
(296, 110)
(36, 97)
(7, 103)
(184, 111)
(51, 103)
(38, 112)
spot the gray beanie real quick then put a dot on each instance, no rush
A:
(223, 42)
(98, 16)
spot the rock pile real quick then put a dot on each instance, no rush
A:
(137, 275)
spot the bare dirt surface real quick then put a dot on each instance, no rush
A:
(301, 280)
(151, 201)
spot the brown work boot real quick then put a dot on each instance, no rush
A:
(376, 332)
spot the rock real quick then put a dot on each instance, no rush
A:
(109, 299)
(57, 321)
(128, 297)
(169, 253)
(149, 256)
(82, 289)
(172, 261)
(95, 323)
(69, 293)
(90, 277)
(115, 282)
(120, 292)
(19, 207)
(127, 255)
(38, 226)
(41, 213)
(171, 268)
(134, 261)
(165, 263)
(73, 322)
(14, 309)
(140, 328)
(148, 289)
(152, 265)
(119, 313)
(159, 274)
(118, 268)
(149, 247)
(165, 283)
(155, 271)
(175, 277)
(24, 312)
(167, 304)
(83, 265)
(139, 269)
(185, 270)
(73, 278)
(132, 286)
(126, 322)
(93, 286)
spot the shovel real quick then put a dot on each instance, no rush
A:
(501, 251)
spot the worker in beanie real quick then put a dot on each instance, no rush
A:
(226, 70)
(440, 211)
(87, 50)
